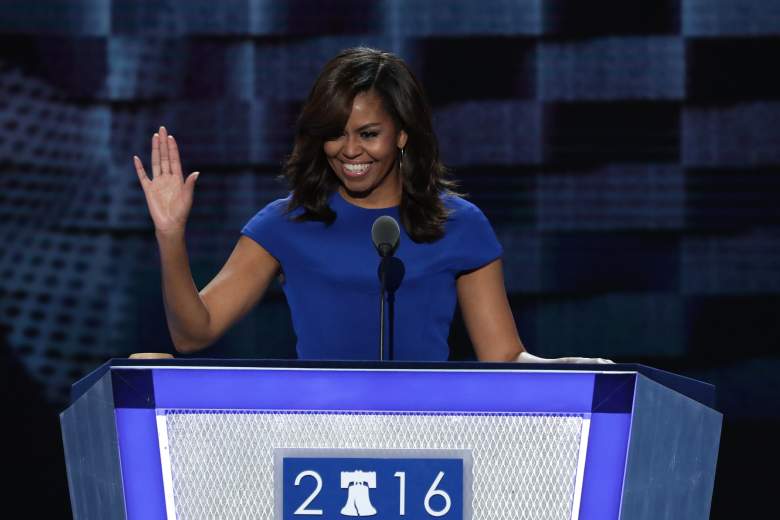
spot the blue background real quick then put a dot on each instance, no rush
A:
(626, 152)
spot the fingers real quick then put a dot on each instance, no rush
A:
(139, 169)
(155, 156)
(193, 177)
(165, 163)
(191, 180)
(173, 156)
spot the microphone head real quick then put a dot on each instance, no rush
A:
(385, 234)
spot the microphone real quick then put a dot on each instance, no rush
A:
(385, 234)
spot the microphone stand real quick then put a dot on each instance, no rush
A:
(385, 234)
(383, 290)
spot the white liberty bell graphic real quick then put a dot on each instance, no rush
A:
(357, 484)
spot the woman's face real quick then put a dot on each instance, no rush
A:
(364, 157)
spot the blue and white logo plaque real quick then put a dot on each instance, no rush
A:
(379, 484)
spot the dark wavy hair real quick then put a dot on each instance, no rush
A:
(324, 116)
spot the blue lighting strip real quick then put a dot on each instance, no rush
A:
(438, 391)
(139, 452)
(602, 486)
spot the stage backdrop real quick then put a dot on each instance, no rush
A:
(626, 152)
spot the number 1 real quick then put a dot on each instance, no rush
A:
(402, 492)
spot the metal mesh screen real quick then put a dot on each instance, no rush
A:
(222, 462)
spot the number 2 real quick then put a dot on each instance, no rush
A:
(302, 508)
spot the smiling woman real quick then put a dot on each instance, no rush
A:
(355, 89)
(365, 157)
(364, 148)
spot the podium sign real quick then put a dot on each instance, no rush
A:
(283, 441)
(388, 484)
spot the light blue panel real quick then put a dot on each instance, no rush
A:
(92, 454)
(465, 17)
(738, 135)
(286, 71)
(612, 68)
(226, 17)
(66, 17)
(613, 197)
(744, 263)
(502, 132)
(670, 471)
(730, 18)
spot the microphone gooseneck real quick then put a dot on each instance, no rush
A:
(385, 234)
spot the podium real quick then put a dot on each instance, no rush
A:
(291, 439)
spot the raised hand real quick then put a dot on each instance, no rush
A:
(168, 193)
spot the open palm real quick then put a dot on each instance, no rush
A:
(168, 193)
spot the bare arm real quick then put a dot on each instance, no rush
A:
(490, 323)
(196, 319)
(487, 314)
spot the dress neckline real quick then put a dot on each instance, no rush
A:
(338, 200)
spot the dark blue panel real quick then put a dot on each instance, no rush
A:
(717, 325)
(622, 327)
(729, 198)
(133, 388)
(477, 68)
(577, 18)
(599, 262)
(613, 393)
(504, 193)
(612, 132)
(332, 17)
(721, 69)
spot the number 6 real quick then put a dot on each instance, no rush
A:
(432, 492)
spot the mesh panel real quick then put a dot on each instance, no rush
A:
(222, 462)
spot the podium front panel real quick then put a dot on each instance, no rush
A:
(524, 465)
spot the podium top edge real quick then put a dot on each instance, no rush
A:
(698, 390)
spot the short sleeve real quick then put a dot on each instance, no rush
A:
(474, 242)
(268, 227)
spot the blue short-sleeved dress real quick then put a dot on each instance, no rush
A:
(332, 287)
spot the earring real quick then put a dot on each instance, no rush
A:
(401, 161)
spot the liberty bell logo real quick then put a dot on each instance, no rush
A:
(357, 484)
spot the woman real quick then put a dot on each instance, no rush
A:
(364, 147)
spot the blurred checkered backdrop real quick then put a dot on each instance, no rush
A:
(626, 152)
